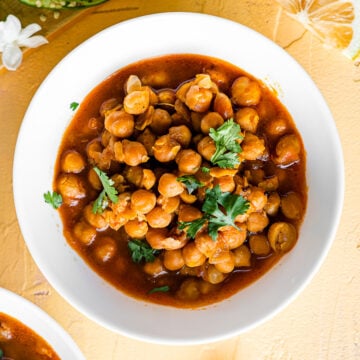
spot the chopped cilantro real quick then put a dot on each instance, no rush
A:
(53, 198)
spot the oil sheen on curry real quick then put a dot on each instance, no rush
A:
(17, 341)
(182, 180)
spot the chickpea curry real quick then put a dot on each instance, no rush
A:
(181, 180)
(18, 341)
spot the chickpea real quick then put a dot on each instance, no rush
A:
(182, 90)
(167, 96)
(173, 259)
(137, 102)
(230, 238)
(133, 83)
(96, 220)
(282, 236)
(182, 115)
(165, 148)
(144, 119)
(94, 180)
(71, 188)
(154, 268)
(161, 239)
(242, 256)
(259, 244)
(143, 201)
(291, 206)
(192, 256)
(188, 213)
(223, 260)
(158, 218)
(252, 147)
(248, 119)
(136, 228)
(245, 92)
(198, 99)
(161, 121)
(205, 243)
(189, 290)
(220, 172)
(206, 147)
(188, 161)
(257, 221)
(287, 150)
(276, 127)
(187, 198)
(148, 179)
(72, 162)
(107, 105)
(134, 153)
(134, 175)
(213, 275)
(105, 249)
(212, 120)
(181, 134)
(147, 138)
(226, 183)
(223, 106)
(270, 184)
(273, 204)
(257, 198)
(119, 123)
(169, 186)
(255, 176)
(206, 288)
(168, 204)
(84, 232)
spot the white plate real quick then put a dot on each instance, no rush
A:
(49, 114)
(36, 319)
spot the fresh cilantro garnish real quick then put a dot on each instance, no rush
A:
(108, 193)
(216, 217)
(141, 250)
(205, 170)
(227, 146)
(53, 198)
(74, 105)
(191, 182)
(160, 289)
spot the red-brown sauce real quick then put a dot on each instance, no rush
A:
(169, 72)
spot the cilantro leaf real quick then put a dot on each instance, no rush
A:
(53, 198)
(191, 182)
(108, 193)
(141, 250)
(165, 288)
(74, 105)
(227, 146)
(192, 227)
(216, 217)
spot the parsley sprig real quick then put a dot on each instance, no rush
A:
(54, 199)
(227, 147)
(220, 209)
(108, 193)
(164, 288)
(191, 182)
(141, 250)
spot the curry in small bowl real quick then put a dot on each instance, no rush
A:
(181, 180)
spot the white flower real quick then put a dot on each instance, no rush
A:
(12, 37)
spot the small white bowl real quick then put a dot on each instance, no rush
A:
(49, 114)
(37, 320)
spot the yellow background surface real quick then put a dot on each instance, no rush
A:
(323, 322)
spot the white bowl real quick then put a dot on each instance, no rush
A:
(48, 115)
(37, 320)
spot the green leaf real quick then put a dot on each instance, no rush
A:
(141, 250)
(108, 193)
(74, 105)
(191, 182)
(53, 198)
(192, 227)
(165, 288)
(227, 147)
